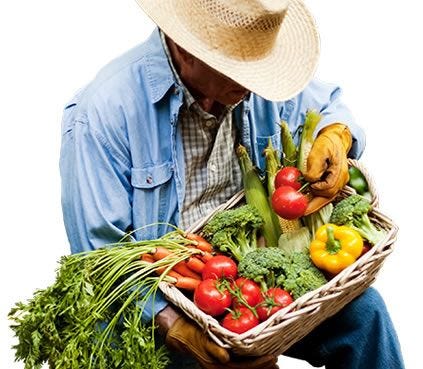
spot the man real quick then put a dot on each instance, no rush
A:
(151, 141)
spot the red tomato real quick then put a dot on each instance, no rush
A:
(249, 290)
(240, 321)
(274, 300)
(212, 298)
(289, 203)
(220, 266)
(288, 176)
(366, 248)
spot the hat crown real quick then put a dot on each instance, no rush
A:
(241, 29)
(248, 14)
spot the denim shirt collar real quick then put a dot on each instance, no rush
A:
(159, 73)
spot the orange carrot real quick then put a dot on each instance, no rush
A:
(206, 256)
(161, 253)
(148, 258)
(186, 283)
(184, 277)
(183, 270)
(160, 270)
(201, 243)
(195, 264)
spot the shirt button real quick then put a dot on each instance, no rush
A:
(149, 180)
(213, 167)
(209, 123)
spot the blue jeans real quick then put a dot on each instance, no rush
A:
(360, 336)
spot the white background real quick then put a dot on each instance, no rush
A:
(51, 48)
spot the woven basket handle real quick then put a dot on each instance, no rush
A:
(372, 188)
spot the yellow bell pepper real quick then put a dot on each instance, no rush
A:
(335, 247)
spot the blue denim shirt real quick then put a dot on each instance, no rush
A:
(122, 163)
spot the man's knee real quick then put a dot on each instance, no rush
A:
(367, 310)
(370, 302)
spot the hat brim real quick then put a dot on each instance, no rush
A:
(280, 75)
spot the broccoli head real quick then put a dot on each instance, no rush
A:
(234, 231)
(271, 267)
(353, 212)
(301, 275)
(264, 266)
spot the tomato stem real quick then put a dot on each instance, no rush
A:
(304, 186)
(236, 292)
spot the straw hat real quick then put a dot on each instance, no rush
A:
(270, 47)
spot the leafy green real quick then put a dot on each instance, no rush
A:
(296, 240)
(90, 317)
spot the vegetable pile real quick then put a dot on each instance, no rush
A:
(300, 253)
(247, 264)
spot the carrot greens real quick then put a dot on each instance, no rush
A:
(90, 317)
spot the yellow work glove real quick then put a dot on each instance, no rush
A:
(327, 166)
(186, 337)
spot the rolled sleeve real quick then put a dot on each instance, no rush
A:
(335, 111)
(326, 99)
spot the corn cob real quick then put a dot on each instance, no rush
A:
(256, 195)
(310, 124)
(288, 146)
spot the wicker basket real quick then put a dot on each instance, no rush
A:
(287, 326)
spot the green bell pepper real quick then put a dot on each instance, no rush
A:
(358, 181)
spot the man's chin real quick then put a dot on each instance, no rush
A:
(233, 98)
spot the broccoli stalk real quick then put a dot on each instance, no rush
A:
(353, 212)
(234, 231)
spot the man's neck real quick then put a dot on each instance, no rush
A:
(208, 104)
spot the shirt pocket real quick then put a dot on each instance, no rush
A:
(262, 142)
(154, 199)
(152, 176)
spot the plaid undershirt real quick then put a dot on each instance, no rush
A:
(212, 172)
